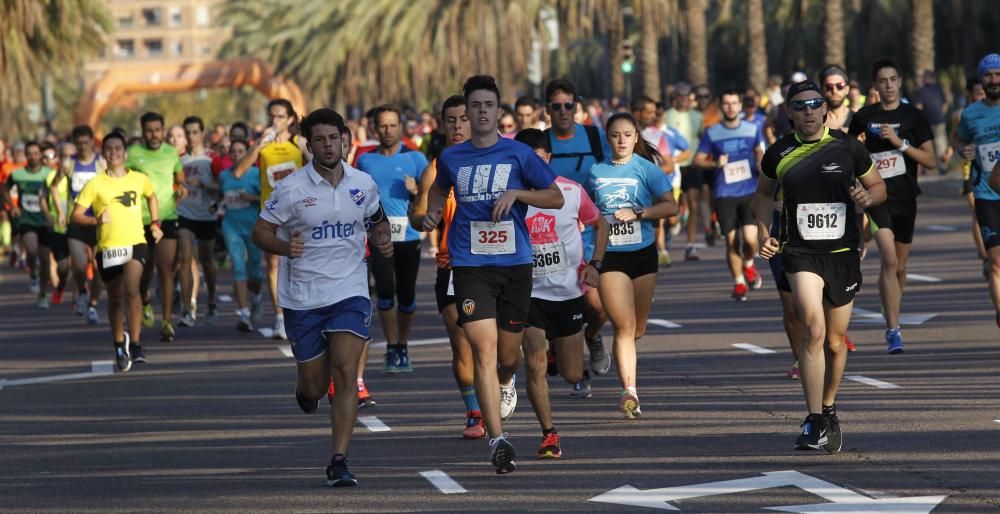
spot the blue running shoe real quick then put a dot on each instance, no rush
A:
(894, 339)
(404, 360)
(391, 360)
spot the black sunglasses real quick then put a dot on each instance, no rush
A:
(801, 105)
(569, 106)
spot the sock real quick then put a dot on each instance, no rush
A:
(548, 431)
(830, 409)
(741, 280)
(469, 397)
(361, 382)
(631, 389)
(280, 317)
(748, 263)
(339, 457)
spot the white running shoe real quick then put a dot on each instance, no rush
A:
(279, 330)
(508, 399)
(92, 318)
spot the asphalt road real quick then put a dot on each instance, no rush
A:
(210, 423)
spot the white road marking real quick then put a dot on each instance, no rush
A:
(415, 342)
(872, 382)
(922, 278)
(225, 298)
(663, 323)
(443, 482)
(753, 348)
(866, 316)
(97, 369)
(941, 228)
(285, 350)
(373, 424)
(996, 420)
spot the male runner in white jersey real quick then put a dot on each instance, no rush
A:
(317, 220)
(81, 168)
(495, 180)
(557, 302)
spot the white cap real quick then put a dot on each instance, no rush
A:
(799, 76)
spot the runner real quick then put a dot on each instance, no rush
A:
(576, 149)
(632, 192)
(557, 305)
(528, 113)
(197, 219)
(456, 127)
(29, 219)
(82, 239)
(241, 197)
(974, 93)
(979, 135)
(687, 122)
(277, 154)
(495, 179)
(113, 198)
(818, 171)
(833, 78)
(644, 111)
(317, 220)
(734, 148)
(54, 200)
(899, 139)
(396, 170)
(161, 164)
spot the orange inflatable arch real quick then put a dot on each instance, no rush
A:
(120, 82)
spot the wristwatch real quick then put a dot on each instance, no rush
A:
(638, 210)
(904, 146)
(597, 264)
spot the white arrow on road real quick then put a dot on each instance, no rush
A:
(866, 316)
(844, 500)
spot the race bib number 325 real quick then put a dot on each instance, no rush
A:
(821, 221)
(490, 238)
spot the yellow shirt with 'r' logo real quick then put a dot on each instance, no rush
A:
(123, 198)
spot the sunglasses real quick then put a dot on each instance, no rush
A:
(801, 105)
(569, 106)
(703, 97)
(840, 86)
(48, 156)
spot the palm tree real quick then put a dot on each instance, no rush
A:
(923, 37)
(697, 42)
(833, 19)
(653, 19)
(38, 36)
(757, 45)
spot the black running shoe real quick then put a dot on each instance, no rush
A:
(337, 474)
(138, 356)
(308, 406)
(502, 456)
(814, 433)
(122, 358)
(835, 438)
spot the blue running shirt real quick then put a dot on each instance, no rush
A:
(980, 125)
(480, 176)
(389, 173)
(739, 176)
(620, 186)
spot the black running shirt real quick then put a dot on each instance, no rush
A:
(899, 171)
(815, 177)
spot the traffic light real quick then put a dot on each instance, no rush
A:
(628, 57)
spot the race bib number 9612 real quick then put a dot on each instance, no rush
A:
(821, 221)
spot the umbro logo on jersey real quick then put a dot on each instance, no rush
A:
(127, 198)
(357, 196)
(851, 287)
(831, 168)
(310, 201)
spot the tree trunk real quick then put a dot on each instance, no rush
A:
(833, 18)
(650, 48)
(697, 42)
(923, 37)
(616, 35)
(757, 47)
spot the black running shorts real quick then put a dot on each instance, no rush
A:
(140, 253)
(900, 216)
(561, 318)
(734, 212)
(634, 264)
(691, 178)
(85, 234)
(500, 293)
(441, 289)
(58, 245)
(203, 230)
(841, 273)
(988, 216)
(169, 229)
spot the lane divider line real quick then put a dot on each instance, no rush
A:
(373, 424)
(443, 482)
(754, 348)
(97, 369)
(663, 323)
(923, 278)
(941, 228)
(872, 382)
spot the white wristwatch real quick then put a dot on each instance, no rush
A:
(903, 147)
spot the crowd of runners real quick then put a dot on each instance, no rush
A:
(546, 219)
